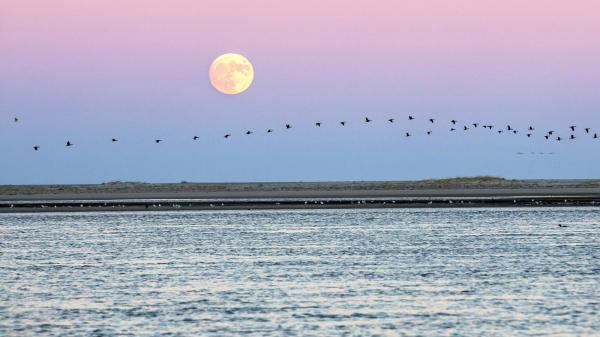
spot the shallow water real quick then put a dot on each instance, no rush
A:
(319, 272)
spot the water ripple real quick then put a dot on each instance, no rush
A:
(492, 272)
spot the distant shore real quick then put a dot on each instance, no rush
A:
(455, 192)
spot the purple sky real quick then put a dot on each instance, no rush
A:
(137, 70)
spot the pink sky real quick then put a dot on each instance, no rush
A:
(86, 64)
(306, 41)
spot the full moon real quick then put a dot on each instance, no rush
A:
(231, 73)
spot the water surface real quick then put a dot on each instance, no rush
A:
(317, 272)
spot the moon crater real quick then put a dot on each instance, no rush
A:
(231, 73)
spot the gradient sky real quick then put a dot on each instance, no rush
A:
(87, 71)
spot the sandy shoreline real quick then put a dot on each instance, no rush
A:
(459, 192)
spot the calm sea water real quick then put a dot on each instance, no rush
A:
(327, 272)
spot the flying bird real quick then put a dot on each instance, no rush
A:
(529, 133)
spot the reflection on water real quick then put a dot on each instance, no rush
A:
(318, 272)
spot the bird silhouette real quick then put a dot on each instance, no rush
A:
(529, 133)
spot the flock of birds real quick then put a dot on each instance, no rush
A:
(454, 126)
